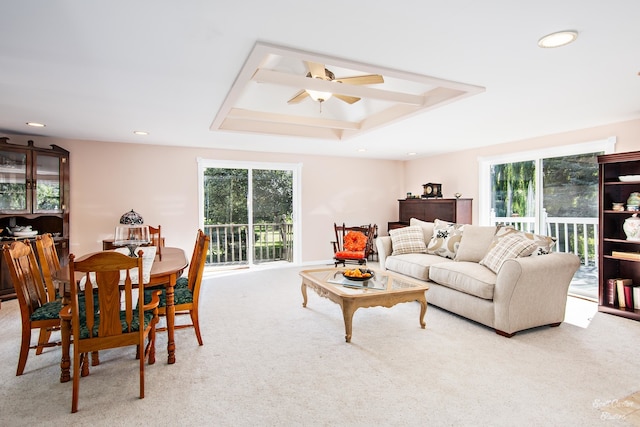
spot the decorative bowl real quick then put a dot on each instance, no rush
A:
(28, 233)
(365, 274)
(629, 178)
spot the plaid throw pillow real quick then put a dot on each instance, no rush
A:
(408, 240)
(514, 245)
(544, 244)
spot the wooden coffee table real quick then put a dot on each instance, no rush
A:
(386, 289)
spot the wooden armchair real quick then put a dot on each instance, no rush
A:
(108, 278)
(352, 244)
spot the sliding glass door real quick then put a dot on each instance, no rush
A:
(552, 192)
(249, 211)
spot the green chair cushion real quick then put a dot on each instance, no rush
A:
(48, 311)
(181, 295)
(135, 324)
(182, 282)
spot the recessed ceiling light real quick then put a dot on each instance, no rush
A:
(35, 124)
(558, 39)
(140, 132)
(411, 154)
(362, 150)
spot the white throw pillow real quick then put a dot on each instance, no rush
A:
(476, 242)
(513, 245)
(446, 239)
(407, 240)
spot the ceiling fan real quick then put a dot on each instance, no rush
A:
(318, 71)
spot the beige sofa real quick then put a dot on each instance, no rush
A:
(523, 292)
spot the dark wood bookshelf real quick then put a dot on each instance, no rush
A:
(611, 235)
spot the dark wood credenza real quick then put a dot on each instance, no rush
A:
(452, 210)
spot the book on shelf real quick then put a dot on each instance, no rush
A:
(620, 285)
(611, 292)
(636, 297)
(626, 255)
(628, 295)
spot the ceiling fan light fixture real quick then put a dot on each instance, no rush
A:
(557, 39)
(319, 96)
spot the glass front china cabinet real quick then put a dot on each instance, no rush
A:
(34, 198)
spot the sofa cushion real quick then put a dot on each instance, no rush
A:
(427, 228)
(544, 244)
(446, 238)
(475, 242)
(413, 265)
(407, 240)
(468, 277)
(514, 245)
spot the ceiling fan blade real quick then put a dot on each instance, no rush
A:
(368, 79)
(298, 97)
(347, 99)
(316, 69)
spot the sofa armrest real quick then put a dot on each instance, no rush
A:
(532, 291)
(383, 245)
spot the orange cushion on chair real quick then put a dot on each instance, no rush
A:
(349, 255)
(355, 241)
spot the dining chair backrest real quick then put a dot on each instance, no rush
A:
(107, 275)
(198, 262)
(49, 262)
(198, 258)
(155, 234)
(26, 277)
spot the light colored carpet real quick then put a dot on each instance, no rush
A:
(268, 361)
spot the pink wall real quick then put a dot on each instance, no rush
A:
(161, 183)
(458, 172)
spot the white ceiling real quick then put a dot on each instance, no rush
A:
(100, 70)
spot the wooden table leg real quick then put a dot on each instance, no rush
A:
(65, 363)
(347, 313)
(423, 310)
(171, 314)
(303, 288)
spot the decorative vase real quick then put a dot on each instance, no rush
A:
(631, 227)
(634, 199)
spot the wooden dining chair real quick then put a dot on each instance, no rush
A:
(187, 289)
(155, 234)
(37, 310)
(107, 278)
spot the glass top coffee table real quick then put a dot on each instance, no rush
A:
(385, 289)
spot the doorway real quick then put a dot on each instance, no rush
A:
(249, 210)
(552, 192)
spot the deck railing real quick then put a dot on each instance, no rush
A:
(229, 243)
(573, 235)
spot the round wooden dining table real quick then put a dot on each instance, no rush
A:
(163, 272)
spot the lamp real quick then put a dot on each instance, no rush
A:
(131, 233)
(319, 96)
(131, 217)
